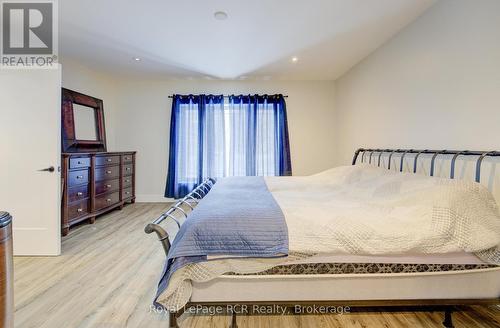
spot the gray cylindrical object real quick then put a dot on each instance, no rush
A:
(6, 271)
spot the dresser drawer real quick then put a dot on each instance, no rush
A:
(79, 162)
(78, 177)
(107, 173)
(78, 193)
(107, 160)
(128, 169)
(107, 186)
(126, 182)
(127, 193)
(127, 158)
(107, 200)
(78, 209)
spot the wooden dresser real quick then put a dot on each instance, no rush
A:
(95, 183)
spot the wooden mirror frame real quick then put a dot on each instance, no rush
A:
(70, 144)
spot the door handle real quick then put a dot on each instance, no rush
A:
(48, 169)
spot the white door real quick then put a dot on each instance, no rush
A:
(30, 135)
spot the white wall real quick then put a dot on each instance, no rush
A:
(435, 85)
(143, 123)
(78, 77)
(137, 114)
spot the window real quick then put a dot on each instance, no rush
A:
(213, 136)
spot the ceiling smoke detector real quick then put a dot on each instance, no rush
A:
(220, 15)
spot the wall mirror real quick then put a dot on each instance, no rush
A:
(85, 122)
(82, 123)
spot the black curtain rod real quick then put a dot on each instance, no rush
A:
(227, 96)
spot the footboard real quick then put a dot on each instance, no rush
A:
(180, 209)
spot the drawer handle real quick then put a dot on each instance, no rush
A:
(80, 162)
(108, 200)
(79, 193)
(127, 180)
(108, 172)
(108, 186)
(79, 210)
(127, 192)
(128, 169)
(127, 158)
(79, 176)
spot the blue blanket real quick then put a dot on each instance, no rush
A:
(238, 217)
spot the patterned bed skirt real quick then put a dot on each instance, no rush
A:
(363, 268)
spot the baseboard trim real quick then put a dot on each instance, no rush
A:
(152, 199)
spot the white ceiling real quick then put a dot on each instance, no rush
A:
(181, 39)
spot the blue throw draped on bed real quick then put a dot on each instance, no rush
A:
(239, 217)
(246, 136)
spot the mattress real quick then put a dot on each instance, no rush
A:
(456, 285)
(434, 276)
(464, 276)
(448, 275)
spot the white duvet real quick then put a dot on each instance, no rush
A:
(366, 210)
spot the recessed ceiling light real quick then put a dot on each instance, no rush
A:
(137, 59)
(220, 15)
(295, 59)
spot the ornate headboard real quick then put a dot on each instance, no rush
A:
(435, 153)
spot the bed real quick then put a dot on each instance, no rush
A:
(443, 258)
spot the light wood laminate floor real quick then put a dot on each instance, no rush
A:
(107, 273)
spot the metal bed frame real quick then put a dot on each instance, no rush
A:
(185, 205)
(435, 153)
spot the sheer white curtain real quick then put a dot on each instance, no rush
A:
(239, 116)
(188, 143)
(266, 145)
(197, 143)
(252, 143)
(214, 146)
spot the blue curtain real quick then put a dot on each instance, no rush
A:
(197, 143)
(258, 143)
(247, 136)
